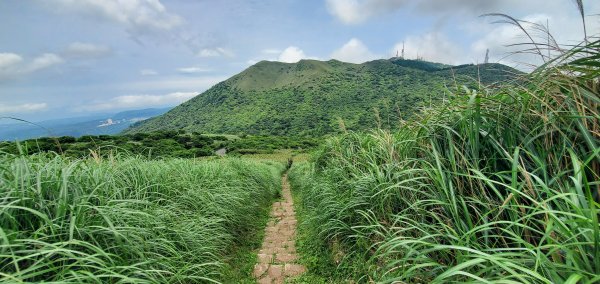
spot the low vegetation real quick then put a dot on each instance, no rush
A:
(159, 144)
(130, 219)
(493, 186)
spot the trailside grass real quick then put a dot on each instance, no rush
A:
(128, 219)
(494, 186)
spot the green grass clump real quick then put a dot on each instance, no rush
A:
(127, 219)
(494, 186)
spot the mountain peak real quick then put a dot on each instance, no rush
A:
(311, 97)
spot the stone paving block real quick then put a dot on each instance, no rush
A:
(264, 258)
(265, 280)
(260, 269)
(292, 269)
(267, 251)
(275, 271)
(285, 257)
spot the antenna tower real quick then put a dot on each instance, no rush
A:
(487, 56)
(402, 50)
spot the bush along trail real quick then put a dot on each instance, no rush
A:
(277, 259)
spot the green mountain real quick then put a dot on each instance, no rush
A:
(318, 97)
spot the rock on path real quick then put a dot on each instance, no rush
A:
(277, 258)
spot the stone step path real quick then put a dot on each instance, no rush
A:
(277, 258)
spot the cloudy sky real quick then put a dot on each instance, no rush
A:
(69, 58)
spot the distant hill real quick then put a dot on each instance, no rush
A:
(76, 127)
(316, 97)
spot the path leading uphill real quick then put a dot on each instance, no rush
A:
(277, 258)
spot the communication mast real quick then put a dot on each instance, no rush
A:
(487, 56)
(402, 50)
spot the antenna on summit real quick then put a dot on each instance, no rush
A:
(487, 56)
(402, 50)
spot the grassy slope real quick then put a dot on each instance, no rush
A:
(131, 220)
(495, 186)
(309, 97)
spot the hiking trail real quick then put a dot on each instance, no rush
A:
(277, 258)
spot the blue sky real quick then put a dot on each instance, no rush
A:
(68, 58)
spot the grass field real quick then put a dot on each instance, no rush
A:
(494, 186)
(130, 220)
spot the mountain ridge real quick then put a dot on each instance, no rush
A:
(312, 97)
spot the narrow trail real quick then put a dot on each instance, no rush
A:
(277, 258)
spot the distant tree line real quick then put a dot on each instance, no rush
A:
(157, 144)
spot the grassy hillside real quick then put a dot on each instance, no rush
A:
(130, 220)
(493, 186)
(315, 97)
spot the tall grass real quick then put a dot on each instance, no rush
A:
(126, 220)
(495, 186)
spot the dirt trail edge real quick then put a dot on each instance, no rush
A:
(277, 258)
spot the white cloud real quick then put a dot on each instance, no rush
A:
(8, 60)
(87, 50)
(459, 20)
(137, 16)
(215, 52)
(506, 42)
(477, 7)
(21, 108)
(192, 70)
(354, 51)
(292, 54)
(148, 72)
(500, 36)
(42, 62)
(13, 65)
(433, 46)
(358, 11)
(139, 101)
(208, 53)
(565, 23)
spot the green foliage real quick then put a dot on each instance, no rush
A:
(268, 144)
(129, 220)
(494, 186)
(313, 98)
(158, 144)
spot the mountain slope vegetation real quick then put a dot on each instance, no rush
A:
(312, 98)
